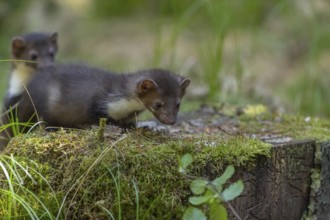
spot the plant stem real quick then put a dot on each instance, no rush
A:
(233, 211)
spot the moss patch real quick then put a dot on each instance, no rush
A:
(294, 126)
(84, 172)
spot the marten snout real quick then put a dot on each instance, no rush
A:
(167, 119)
(45, 62)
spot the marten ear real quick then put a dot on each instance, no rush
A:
(146, 86)
(17, 45)
(184, 83)
(53, 37)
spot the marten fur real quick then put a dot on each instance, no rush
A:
(28, 52)
(77, 96)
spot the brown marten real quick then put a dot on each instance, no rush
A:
(76, 96)
(29, 52)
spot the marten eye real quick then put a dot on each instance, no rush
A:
(51, 54)
(178, 105)
(34, 56)
(158, 105)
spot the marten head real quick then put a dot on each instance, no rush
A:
(37, 49)
(161, 92)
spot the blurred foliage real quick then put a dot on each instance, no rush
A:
(7, 7)
(242, 14)
(253, 50)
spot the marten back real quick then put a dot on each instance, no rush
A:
(77, 95)
(68, 93)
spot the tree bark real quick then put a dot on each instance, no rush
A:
(323, 194)
(279, 187)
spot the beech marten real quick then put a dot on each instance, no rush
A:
(29, 52)
(76, 96)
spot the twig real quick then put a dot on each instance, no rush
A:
(233, 211)
(100, 132)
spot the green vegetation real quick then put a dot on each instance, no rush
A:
(135, 173)
(13, 127)
(210, 193)
(242, 52)
(84, 174)
(19, 178)
(293, 126)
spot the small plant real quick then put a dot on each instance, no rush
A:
(11, 126)
(210, 193)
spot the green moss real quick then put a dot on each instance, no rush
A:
(30, 186)
(91, 175)
(85, 172)
(308, 128)
(294, 126)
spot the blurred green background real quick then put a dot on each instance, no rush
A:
(275, 52)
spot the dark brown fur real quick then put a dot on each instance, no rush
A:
(38, 47)
(78, 96)
(29, 52)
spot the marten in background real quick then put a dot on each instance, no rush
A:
(29, 52)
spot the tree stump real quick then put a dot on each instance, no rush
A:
(323, 194)
(291, 182)
(280, 187)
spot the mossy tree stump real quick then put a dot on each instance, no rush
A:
(278, 187)
(286, 177)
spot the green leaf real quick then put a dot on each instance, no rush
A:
(218, 212)
(184, 162)
(209, 192)
(197, 200)
(198, 186)
(181, 170)
(218, 182)
(233, 191)
(193, 214)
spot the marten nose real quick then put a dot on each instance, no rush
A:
(45, 62)
(166, 119)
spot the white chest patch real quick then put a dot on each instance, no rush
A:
(123, 107)
(54, 95)
(20, 76)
